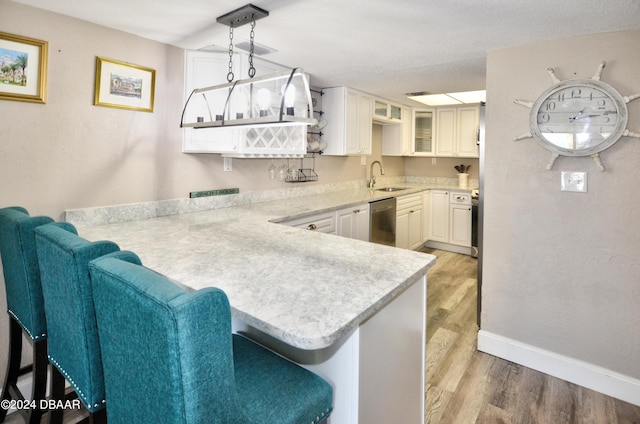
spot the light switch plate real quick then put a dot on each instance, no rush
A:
(227, 166)
(573, 181)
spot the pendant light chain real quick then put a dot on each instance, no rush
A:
(230, 74)
(252, 69)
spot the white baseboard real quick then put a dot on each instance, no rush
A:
(569, 369)
(448, 247)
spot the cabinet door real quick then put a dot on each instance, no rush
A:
(353, 122)
(415, 228)
(361, 223)
(396, 138)
(348, 115)
(423, 124)
(364, 124)
(402, 230)
(460, 231)
(380, 109)
(353, 222)
(446, 132)
(426, 215)
(468, 126)
(439, 211)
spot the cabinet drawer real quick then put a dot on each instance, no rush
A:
(404, 203)
(325, 223)
(460, 198)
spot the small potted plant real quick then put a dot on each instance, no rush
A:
(463, 175)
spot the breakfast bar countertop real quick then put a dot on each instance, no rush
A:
(305, 288)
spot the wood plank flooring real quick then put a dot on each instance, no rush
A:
(467, 386)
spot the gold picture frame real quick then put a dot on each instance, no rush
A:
(124, 86)
(23, 68)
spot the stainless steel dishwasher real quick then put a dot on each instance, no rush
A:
(382, 222)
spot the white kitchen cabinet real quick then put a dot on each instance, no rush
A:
(426, 215)
(348, 115)
(460, 219)
(324, 222)
(396, 138)
(457, 131)
(423, 131)
(353, 222)
(439, 216)
(409, 221)
(385, 111)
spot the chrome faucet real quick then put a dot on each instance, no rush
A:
(372, 179)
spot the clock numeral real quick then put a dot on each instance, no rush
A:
(576, 93)
(551, 106)
(561, 96)
(543, 118)
(602, 104)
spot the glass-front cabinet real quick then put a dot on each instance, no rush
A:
(384, 110)
(423, 132)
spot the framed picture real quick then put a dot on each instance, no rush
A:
(23, 68)
(123, 85)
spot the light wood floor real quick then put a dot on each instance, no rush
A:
(467, 386)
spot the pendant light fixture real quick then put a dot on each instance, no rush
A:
(280, 99)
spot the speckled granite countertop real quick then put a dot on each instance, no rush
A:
(305, 288)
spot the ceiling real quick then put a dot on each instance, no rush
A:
(385, 47)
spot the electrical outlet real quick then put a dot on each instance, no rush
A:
(227, 164)
(573, 181)
(434, 161)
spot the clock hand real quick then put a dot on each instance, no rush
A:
(591, 115)
(573, 118)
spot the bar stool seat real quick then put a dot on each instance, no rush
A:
(169, 356)
(25, 306)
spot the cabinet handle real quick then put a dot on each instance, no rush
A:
(356, 211)
(312, 227)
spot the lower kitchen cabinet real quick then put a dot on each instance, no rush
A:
(409, 221)
(353, 222)
(439, 216)
(323, 222)
(460, 219)
(450, 221)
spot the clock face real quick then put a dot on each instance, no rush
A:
(578, 117)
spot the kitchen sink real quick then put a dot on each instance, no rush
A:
(391, 189)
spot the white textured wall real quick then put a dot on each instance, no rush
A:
(562, 270)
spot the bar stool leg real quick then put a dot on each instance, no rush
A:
(39, 390)
(57, 394)
(13, 363)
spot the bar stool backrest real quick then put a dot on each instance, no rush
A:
(20, 268)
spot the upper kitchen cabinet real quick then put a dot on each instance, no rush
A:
(384, 111)
(457, 131)
(396, 137)
(205, 69)
(348, 116)
(422, 140)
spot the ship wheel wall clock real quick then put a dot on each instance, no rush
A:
(578, 117)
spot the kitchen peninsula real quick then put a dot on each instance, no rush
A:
(351, 311)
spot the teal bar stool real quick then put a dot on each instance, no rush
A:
(25, 306)
(169, 357)
(74, 347)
